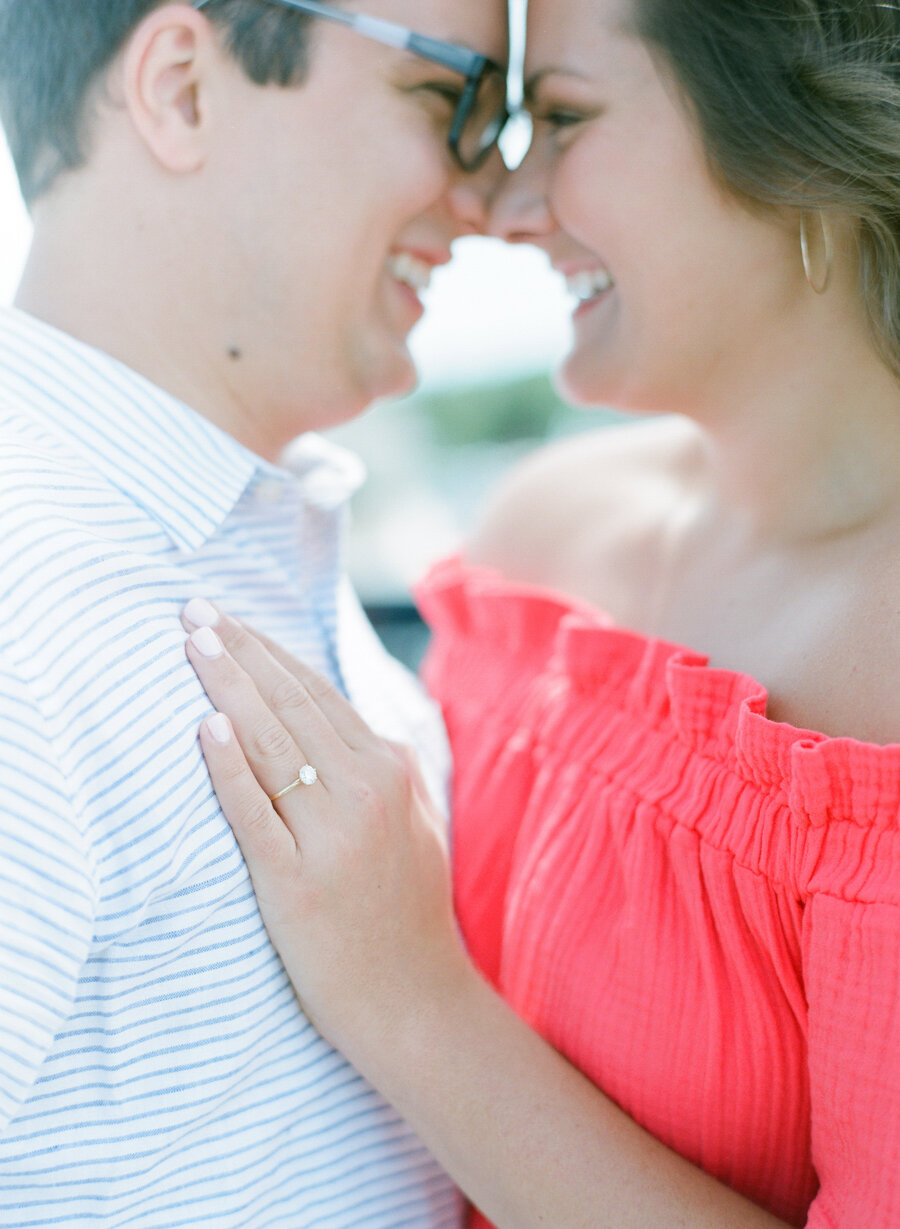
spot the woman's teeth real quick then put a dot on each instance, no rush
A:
(410, 270)
(589, 284)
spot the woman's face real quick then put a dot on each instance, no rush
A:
(683, 288)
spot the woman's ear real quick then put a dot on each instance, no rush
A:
(164, 70)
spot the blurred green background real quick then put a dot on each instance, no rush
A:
(432, 458)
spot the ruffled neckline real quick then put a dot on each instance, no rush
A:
(716, 712)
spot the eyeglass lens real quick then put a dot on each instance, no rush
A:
(485, 120)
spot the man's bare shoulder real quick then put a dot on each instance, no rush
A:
(581, 498)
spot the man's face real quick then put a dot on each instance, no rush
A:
(327, 201)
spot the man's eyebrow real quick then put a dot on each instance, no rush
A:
(411, 56)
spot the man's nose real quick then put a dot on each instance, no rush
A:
(472, 193)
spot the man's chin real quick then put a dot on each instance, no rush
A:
(395, 375)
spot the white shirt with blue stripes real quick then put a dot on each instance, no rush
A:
(155, 1067)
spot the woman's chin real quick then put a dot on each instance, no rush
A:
(583, 381)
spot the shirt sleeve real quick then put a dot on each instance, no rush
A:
(852, 959)
(47, 898)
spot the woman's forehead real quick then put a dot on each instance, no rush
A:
(576, 35)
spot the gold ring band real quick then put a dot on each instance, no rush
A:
(306, 776)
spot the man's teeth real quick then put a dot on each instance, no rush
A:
(410, 270)
(589, 283)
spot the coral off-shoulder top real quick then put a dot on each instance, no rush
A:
(698, 906)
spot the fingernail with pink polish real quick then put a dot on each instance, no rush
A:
(206, 642)
(220, 728)
(201, 613)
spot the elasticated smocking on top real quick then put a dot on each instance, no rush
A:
(698, 905)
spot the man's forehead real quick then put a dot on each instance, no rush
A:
(479, 24)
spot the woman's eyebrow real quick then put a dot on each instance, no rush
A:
(533, 84)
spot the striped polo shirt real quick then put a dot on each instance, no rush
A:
(156, 1068)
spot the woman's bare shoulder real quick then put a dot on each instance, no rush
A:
(582, 496)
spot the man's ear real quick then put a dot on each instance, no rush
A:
(162, 71)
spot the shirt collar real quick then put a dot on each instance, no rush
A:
(184, 472)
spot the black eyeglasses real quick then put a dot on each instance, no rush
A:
(482, 111)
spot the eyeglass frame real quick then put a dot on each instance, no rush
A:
(469, 64)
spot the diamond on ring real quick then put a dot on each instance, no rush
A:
(306, 776)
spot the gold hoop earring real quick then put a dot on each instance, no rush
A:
(818, 284)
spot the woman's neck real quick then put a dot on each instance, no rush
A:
(808, 447)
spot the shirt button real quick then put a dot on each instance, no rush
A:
(269, 491)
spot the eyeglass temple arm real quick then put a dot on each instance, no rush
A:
(383, 31)
(386, 32)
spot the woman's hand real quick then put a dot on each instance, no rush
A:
(352, 879)
(350, 872)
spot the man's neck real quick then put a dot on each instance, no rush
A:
(118, 293)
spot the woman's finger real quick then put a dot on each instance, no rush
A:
(268, 664)
(266, 842)
(272, 752)
(409, 758)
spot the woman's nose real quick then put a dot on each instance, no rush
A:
(519, 212)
